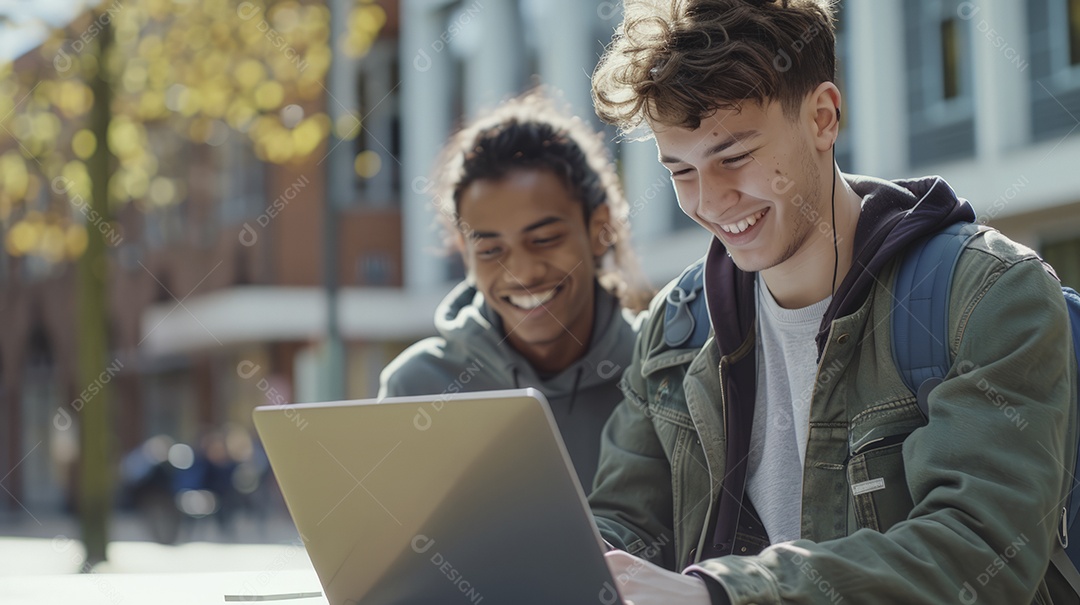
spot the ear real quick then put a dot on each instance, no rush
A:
(824, 106)
(601, 235)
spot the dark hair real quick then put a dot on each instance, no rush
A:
(531, 133)
(675, 62)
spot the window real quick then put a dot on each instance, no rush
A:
(940, 81)
(1054, 47)
(377, 160)
(950, 59)
(1074, 32)
(242, 190)
(374, 269)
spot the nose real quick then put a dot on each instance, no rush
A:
(716, 199)
(524, 269)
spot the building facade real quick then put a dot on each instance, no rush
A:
(218, 304)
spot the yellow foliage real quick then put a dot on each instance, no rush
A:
(269, 95)
(83, 143)
(13, 176)
(367, 164)
(118, 189)
(318, 59)
(88, 65)
(126, 138)
(52, 243)
(73, 98)
(152, 105)
(306, 137)
(75, 240)
(213, 64)
(162, 191)
(194, 66)
(347, 126)
(240, 115)
(249, 73)
(284, 16)
(158, 10)
(309, 87)
(22, 238)
(365, 22)
(151, 47)
(279, 146)
(136, 181)
(190, 102)
(134, 78)
(74, 179)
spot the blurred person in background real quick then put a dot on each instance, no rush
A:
(531, 201)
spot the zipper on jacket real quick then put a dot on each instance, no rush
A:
(714, 500)
(738, 515)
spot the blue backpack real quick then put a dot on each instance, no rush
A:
(921, 305)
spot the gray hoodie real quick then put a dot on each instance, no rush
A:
(471, 354)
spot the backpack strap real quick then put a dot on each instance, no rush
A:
(920, 324)
(1071, 527)
(1060, 560)
(920, 318)
(686, 314)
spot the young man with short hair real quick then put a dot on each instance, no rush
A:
(780, 458)
(533, 205)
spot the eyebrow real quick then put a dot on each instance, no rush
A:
(715, 149)
(544, 222)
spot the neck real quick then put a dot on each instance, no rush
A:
(556, 357)
(807, 277)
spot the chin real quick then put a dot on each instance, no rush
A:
(750, 263)
(540, 339)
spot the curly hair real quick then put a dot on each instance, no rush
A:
(530, 132)
(674, 62)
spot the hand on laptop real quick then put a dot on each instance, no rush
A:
(642, 583)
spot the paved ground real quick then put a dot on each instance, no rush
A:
(47, 545)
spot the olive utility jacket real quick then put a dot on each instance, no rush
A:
(895, 510)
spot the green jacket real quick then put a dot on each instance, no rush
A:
(968, 505)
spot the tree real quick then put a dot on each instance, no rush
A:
(97, 113)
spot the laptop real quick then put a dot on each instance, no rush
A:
(447, 499)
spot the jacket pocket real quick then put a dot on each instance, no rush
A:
(878, 485)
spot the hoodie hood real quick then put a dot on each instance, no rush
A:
(465, 319)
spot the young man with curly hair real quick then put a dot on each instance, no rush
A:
(779, 457)
(533, 205)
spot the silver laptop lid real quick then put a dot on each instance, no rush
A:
(459, 498)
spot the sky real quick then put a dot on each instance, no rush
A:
(28, 22)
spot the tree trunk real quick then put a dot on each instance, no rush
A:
(95, 501)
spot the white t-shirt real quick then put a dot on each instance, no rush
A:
(786, 366)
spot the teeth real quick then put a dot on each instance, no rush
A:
(744, 224)
(531, 301)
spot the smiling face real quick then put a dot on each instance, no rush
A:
(527, 245)
(753, 178)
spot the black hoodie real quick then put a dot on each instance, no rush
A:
(894, 215)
